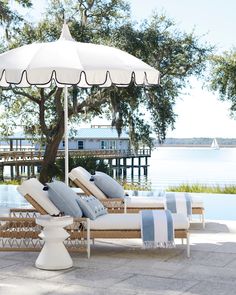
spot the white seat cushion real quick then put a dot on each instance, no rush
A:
(34, 188)
(197, 202)
(84, 176)
(152, 201)
(131, 222)
(144, 202)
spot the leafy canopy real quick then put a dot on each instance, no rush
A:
(9, 17)
(223, 78)
(177, 55)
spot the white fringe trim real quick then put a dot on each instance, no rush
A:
(153, 244)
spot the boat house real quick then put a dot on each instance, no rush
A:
(95, 138)
(98, 138)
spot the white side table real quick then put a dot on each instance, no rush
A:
(54, 255)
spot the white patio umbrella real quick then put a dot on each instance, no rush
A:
(67, 63)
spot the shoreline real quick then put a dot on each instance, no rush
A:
(194, 146)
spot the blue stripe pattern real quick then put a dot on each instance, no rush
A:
(148, 228)
(170, 228)
(171, 202)
(148, 225)
(188, 204)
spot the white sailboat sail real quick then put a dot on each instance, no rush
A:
(214, 144)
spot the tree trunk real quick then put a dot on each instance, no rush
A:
(48, 165)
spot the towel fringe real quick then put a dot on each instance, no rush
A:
(153, 244)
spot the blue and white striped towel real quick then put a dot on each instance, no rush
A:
(179, 203)
(157, 228)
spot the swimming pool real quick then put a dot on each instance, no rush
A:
(217, 206)
(10, 198)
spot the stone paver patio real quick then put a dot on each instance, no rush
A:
(121, 267)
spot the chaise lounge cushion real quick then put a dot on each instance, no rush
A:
(91, 206)
(144, 202)
(83, 176)
(64, 198)
(34, 189)
(197, 202)
(131, 221)
(110, 187)
(145, 199)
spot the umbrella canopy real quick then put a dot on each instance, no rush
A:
(73, 63)
(67, 63)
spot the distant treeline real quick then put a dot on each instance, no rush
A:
(198, 141)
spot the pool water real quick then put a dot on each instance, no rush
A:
(10, 198)
(217, 206)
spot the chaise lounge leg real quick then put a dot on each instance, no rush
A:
(203, 220)
(188, 245)
(88, 237)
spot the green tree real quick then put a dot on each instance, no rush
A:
(223, 78)
(91, 164)
(158, 42)
(8, 16)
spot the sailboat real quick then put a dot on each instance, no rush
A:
(215, 145)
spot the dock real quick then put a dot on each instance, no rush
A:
(27, 162)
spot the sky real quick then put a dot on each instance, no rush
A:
(200, 113)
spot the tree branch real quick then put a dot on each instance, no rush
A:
(51, 92)
(42, 113)
(58, 103)
(92, 102)
(22, 93)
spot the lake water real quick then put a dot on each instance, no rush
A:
(174, 166)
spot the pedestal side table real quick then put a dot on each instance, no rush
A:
(54, 255)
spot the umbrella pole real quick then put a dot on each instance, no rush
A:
(66, 134)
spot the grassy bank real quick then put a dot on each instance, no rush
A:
(14, 182)
(191, 188)
(199, 188)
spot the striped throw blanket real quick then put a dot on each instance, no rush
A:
(179, 203)
(157, 229)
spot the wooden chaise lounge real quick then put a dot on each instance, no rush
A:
(80, 178)
(109, 226)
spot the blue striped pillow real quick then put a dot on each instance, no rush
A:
(91, 206)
